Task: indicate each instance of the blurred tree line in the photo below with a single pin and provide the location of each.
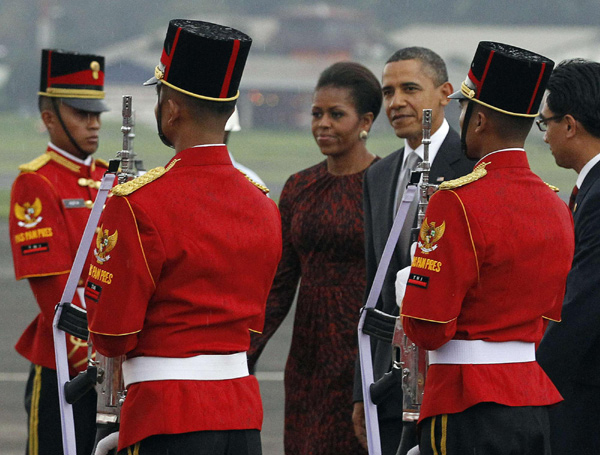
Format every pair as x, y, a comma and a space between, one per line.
89, 25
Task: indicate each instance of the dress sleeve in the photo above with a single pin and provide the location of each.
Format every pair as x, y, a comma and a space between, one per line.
286, 278
445, 266
122, 268
38, 231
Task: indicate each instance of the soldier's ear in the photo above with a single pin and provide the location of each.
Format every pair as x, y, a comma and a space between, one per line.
173, 111
49, 119
480, 121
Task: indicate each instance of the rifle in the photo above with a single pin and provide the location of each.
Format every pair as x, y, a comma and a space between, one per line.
73, 320
408, 360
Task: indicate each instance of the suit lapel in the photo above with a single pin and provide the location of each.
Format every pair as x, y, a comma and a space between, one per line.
391, 192
449, 153
588, 182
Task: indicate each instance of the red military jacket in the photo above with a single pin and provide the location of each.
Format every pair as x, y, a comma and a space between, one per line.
491, 264
50, 204
182, 266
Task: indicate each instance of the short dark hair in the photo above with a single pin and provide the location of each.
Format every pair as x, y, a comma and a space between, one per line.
508, 126
364, 87
574, 88
432, 61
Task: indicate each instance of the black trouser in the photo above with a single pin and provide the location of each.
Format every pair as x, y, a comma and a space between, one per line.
231, 442
487, 429
390, 432
43, 412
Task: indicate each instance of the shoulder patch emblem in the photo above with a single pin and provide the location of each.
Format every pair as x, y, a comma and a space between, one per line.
28, 214
477, 173
552, 187
105, 242
36, 163
125, 189
429, 235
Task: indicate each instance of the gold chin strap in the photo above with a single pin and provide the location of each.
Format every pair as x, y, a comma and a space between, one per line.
470, 94
159, 74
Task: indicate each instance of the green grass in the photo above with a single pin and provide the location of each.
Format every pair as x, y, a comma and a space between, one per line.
273, 155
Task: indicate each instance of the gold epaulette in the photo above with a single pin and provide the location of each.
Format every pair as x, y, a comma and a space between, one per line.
36, 163
552, 187
101, 162
477, 173
127, 188
263, 188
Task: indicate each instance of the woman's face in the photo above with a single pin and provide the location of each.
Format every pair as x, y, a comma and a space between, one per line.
335, 123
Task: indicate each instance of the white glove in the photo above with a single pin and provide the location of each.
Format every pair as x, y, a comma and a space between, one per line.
107, 444
402, 277
414, 451
401, 280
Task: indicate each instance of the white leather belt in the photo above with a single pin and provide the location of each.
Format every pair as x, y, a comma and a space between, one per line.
198, 368
478, 352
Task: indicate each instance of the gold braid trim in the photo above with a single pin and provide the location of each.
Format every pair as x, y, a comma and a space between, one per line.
64, 162
86, 94
552, 187
263, 188
102, 162
477, 173
127, 188
36, 163
470, 94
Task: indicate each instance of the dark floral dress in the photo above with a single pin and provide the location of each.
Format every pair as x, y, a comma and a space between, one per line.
323, 244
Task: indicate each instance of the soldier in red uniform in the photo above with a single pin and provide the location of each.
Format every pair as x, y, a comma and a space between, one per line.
489, 272
183, 262
50, 204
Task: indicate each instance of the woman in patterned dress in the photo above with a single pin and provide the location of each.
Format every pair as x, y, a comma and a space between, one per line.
323, 245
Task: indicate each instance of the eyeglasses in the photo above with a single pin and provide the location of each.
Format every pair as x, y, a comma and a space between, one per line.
542, 123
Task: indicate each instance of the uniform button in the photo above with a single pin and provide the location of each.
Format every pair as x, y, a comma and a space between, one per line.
89, 204
97, 185
82, 181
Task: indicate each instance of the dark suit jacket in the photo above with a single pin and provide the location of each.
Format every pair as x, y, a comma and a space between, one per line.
570, 349
380, 182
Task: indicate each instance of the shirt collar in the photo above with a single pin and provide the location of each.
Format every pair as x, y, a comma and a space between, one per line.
437, 139
86, 162
586, 169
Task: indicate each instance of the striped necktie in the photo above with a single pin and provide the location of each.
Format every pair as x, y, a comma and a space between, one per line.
572, 198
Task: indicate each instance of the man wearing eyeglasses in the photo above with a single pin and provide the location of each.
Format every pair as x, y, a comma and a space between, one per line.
50, 204
570, 350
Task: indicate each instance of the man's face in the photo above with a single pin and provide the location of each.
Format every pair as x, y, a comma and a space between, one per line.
83, 127
407, 90
555, 137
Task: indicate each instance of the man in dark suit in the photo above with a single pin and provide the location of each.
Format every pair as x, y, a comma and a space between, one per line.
570, 349
414, 79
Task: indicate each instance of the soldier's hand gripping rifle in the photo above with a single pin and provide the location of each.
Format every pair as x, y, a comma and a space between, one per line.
408, 360
71, 319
